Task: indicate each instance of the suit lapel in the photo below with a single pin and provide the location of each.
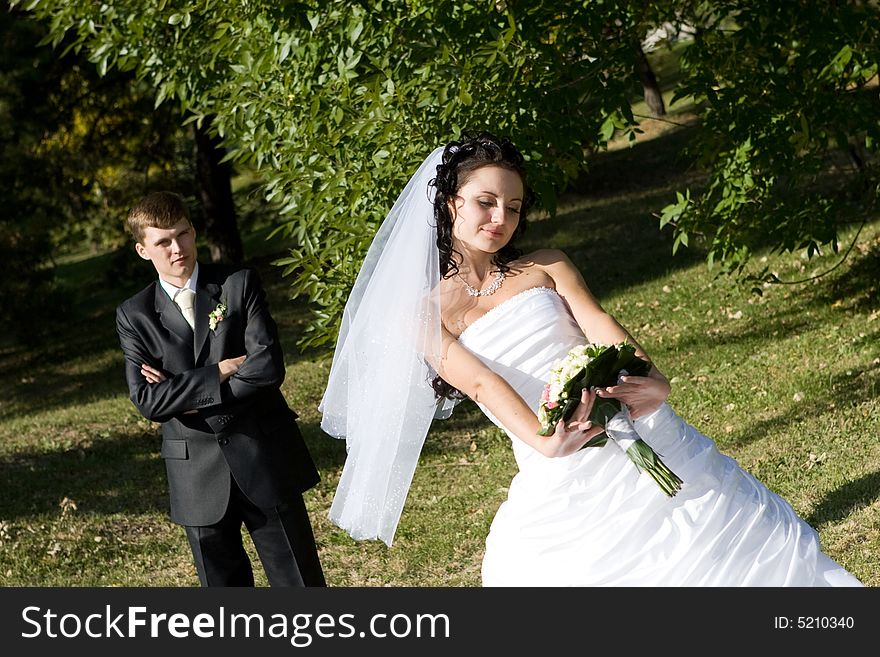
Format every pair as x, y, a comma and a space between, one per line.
207, 298
171, 317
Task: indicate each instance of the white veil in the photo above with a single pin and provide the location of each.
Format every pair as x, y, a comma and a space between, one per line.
379, 395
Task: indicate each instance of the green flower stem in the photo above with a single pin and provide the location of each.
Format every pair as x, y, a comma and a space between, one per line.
646, 459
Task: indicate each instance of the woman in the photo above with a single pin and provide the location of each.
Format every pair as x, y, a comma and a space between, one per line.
446, 305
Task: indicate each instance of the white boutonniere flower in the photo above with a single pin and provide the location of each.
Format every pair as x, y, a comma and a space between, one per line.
216, 316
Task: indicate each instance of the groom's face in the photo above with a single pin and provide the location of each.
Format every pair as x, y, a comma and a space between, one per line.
171, 250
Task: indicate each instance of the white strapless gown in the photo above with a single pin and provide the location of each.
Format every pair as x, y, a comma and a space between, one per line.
591, 519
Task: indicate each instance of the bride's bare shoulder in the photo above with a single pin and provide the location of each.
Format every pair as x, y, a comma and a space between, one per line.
537, 269
545, 258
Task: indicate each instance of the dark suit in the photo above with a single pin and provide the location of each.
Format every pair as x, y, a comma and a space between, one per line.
240, 457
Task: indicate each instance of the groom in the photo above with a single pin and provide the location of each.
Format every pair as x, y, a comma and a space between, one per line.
202, 358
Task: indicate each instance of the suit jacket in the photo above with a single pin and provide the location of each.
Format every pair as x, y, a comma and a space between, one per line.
242, 427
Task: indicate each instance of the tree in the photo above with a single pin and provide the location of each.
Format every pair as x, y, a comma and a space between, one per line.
336, 102
215, 190
653, 95
786, 92
23, 244
78, 150
50, 138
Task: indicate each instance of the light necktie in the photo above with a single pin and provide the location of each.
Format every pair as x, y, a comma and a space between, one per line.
185, 299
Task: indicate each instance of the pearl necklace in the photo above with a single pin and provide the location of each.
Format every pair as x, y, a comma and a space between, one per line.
474, 292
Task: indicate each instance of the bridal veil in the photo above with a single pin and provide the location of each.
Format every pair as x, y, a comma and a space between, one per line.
379, 395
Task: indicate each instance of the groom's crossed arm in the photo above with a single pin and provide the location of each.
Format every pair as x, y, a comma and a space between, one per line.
264, 366
228, 367
170, 396
232, 382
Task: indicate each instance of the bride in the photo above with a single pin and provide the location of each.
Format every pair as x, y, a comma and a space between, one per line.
446, 306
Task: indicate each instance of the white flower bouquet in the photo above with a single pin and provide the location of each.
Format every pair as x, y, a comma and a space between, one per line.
599, 366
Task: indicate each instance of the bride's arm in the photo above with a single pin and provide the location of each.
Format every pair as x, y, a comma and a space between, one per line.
470, 375
641, 394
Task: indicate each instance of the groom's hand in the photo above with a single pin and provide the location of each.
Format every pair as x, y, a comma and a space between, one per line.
151, 374
230, 366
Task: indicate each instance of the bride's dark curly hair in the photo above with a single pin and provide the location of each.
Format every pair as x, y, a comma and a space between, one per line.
460, 159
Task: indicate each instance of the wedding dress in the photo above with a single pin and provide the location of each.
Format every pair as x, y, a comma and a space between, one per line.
591, 519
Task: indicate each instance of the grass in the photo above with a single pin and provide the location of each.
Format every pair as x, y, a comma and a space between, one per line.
786, 383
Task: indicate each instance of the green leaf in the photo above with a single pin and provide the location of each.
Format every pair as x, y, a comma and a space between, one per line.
355, 32
603, 410
606, 132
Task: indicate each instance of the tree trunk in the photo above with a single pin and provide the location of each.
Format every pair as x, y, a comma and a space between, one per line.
653, 97
215, 191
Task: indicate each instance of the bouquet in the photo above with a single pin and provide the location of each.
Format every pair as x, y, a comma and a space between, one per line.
599, 366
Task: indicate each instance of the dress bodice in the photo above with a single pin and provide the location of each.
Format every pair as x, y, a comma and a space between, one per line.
521, 339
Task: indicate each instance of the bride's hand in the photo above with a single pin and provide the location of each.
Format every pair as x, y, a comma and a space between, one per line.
641, 394
572, 434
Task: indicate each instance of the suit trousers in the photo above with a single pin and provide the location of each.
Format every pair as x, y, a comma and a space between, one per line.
282, 536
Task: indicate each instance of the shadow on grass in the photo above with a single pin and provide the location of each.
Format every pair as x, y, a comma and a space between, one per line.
859, 289
466, 420
847, 499
119, 474
41, 382
327, 452
79, 360
649, 164
788, 321
854, 288
858, 386
849, 387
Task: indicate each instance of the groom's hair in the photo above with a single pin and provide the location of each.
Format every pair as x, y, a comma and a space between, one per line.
156, 210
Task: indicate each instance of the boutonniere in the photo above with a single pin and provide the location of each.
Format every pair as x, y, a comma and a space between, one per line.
216, 316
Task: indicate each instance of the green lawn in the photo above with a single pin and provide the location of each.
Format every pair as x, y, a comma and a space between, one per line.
787, 383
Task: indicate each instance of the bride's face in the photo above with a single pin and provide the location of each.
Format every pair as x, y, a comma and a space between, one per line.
485, 213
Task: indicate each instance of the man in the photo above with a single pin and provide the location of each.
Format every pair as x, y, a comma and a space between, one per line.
209, 369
